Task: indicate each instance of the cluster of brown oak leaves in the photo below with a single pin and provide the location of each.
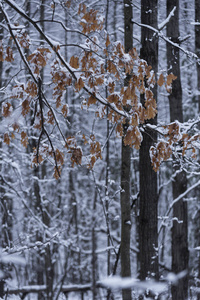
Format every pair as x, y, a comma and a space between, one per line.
95, 68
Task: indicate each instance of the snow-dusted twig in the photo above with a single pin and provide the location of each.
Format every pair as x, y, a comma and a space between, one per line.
107, 139
25, 204
181, 196
105, 214
164, 23
43, 130
71, 30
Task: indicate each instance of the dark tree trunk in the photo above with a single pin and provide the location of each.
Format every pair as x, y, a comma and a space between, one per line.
179, 184
6, 206
1, 158
49, 266
125, 169
197, 44
197, 50
107, 162
148, 233
94, 247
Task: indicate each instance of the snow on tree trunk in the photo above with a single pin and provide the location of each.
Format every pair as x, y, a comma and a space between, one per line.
197, 44
179, 184
197, 50
148, 237
125, 169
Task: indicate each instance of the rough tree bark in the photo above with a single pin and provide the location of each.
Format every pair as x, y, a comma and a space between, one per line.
94, 247
107, 161
2, 206
125, 169
179, 184
197, 44
5, 203
148, 236
197, 50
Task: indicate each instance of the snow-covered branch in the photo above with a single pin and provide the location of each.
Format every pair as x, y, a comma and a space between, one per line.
164, 23
181, 196
160, 34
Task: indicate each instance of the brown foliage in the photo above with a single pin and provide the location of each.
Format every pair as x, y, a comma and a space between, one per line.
6, 139
24, 139
7, 109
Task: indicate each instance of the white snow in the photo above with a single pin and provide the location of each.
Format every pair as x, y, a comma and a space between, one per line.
119, 283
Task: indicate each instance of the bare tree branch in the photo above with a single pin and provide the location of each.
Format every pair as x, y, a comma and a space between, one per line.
166, 39
181, 196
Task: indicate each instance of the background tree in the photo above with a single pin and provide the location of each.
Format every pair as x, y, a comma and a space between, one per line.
125, 167
197, 42
197, 51
148, 238
179, 184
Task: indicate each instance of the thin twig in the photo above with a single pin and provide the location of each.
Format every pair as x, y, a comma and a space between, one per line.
105, 214
43, 130
71, 30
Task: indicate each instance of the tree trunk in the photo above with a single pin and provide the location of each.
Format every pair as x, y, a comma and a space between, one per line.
1, 158
148, 235
125, 170
94, 247
179, 184
197, 45
107, 162
197, 50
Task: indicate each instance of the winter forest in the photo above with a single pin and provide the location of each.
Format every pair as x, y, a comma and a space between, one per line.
99, 149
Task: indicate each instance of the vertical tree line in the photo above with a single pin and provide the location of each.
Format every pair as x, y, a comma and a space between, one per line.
148, 218
179, 184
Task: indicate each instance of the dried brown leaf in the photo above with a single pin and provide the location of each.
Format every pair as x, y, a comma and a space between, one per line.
161, 80
74, 62
24, 139
6, 138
